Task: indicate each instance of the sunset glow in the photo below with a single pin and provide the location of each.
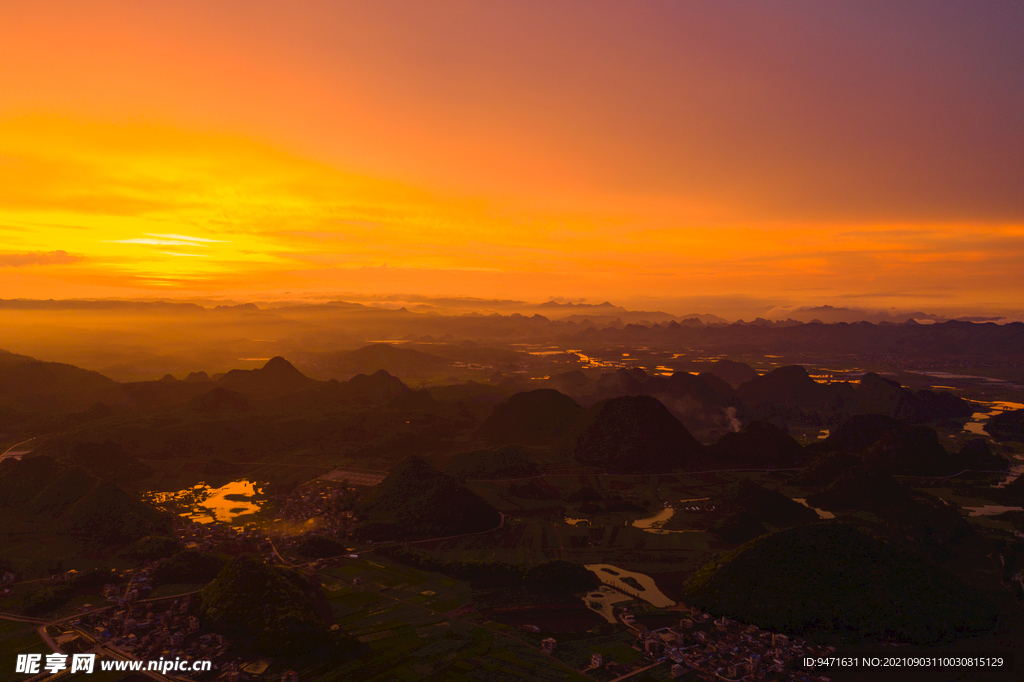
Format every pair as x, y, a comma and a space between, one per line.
795, 153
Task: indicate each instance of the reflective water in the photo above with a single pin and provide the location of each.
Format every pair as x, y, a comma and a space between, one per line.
655, 523
602, 599
650, 594
207, 505
991, 510
822, 514
978, 419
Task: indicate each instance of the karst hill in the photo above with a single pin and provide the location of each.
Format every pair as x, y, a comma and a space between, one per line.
416, 501
635, 434
831, 583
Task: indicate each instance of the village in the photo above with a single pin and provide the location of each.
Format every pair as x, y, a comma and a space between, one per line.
138, 626
726, 650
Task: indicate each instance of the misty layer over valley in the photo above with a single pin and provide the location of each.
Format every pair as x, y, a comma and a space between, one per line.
575, 475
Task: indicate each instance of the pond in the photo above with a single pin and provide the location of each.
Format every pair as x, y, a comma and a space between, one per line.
204, 504
656, 523
627, 581
603, 600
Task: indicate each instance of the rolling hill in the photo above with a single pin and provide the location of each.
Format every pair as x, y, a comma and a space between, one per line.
635, 434
831, 583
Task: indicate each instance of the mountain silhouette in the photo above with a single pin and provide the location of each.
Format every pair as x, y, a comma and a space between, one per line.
763, 504
739, 527
635, 434
790, 385
878, 395
276, 377
758, 444
30, 384
732, 372
532, 418
858, 432
976, 454
914, 450
1007, 426
832, 583
862, 488
70, 501
415, 500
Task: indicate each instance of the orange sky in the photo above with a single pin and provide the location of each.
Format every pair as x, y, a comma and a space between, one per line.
797, 153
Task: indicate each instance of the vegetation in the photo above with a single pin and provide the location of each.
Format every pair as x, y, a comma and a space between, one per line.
189, 566
153, 547
417, 500
561, 576
551, 576
267, 608
219, 467
534, 489
861, 488
319, 546
739, 527
109, 514
758, 444
830, 582
71, 501
1007, 426
532, 418
507, 462
635, 434
763, 504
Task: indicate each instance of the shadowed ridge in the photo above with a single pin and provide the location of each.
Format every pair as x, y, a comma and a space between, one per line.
219, 402
379, 387
510, 461
532, 418
415, 500
281, 621
878, 395
50, 387
1007, 426
763, 504
976, 454
279, 367
790, 385
635, 434
831, 583
858, 432
861, 488
277, 376
732, 372
71, 501
758, 444
910, 450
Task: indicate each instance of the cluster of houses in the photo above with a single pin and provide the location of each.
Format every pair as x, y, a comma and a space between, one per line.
149, 630
719, 650
729, 650
316, 501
